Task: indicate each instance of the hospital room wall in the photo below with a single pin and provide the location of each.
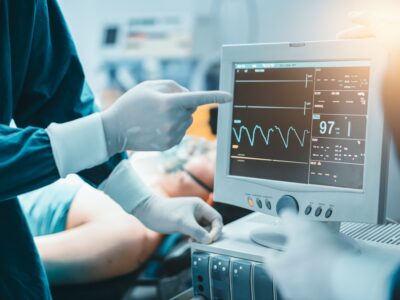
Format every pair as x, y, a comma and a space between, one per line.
274, 20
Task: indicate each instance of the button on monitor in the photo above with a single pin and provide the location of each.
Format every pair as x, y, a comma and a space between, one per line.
318, 211
328, 213
308, 210
268, 204
259, 203
250, 201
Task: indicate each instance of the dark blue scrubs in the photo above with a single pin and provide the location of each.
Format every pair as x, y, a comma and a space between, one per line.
41, 81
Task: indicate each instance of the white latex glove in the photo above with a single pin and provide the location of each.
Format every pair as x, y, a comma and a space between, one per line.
154, 115
321, 264
385, 27
188, 215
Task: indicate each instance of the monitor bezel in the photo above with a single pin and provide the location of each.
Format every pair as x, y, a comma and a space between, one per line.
366, 201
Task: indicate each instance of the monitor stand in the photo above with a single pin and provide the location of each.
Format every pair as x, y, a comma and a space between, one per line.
272, 236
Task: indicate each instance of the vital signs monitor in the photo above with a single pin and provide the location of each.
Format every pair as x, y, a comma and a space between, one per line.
305, 130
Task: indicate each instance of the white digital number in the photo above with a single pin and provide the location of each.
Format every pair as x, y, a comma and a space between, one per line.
326, 127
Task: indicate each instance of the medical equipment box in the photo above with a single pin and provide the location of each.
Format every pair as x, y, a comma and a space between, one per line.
232, 268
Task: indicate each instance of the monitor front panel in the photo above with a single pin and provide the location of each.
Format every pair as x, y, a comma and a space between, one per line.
301, 122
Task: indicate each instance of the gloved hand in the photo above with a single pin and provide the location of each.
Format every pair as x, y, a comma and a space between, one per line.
385, 27
154, 115
188, 215
321, 264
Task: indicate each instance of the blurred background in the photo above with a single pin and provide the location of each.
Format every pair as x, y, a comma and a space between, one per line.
123, 42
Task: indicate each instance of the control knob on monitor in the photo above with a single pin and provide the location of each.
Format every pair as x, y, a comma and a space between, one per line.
287, 203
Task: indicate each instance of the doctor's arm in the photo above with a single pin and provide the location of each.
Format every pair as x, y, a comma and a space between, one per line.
55, 96
26, 160
151, 116
55, 91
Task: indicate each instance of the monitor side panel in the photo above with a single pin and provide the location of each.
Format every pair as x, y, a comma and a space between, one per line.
393, 186
366, 205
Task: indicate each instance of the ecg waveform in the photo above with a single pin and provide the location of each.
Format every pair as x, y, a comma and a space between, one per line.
266, 137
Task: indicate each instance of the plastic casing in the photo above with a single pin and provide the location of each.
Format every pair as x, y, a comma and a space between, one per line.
367, 205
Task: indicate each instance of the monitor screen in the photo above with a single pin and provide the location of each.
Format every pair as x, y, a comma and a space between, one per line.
301, 122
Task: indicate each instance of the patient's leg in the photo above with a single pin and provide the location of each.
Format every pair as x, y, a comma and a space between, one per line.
101, 241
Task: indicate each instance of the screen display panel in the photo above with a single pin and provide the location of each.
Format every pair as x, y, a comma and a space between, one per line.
301, 122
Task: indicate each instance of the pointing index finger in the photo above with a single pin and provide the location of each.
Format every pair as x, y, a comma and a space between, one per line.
191, 100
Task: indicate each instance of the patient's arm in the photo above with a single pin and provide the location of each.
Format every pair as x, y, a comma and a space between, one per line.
101, 241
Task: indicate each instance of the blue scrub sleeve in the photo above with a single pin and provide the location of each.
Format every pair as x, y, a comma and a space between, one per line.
54, 90
26, 161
